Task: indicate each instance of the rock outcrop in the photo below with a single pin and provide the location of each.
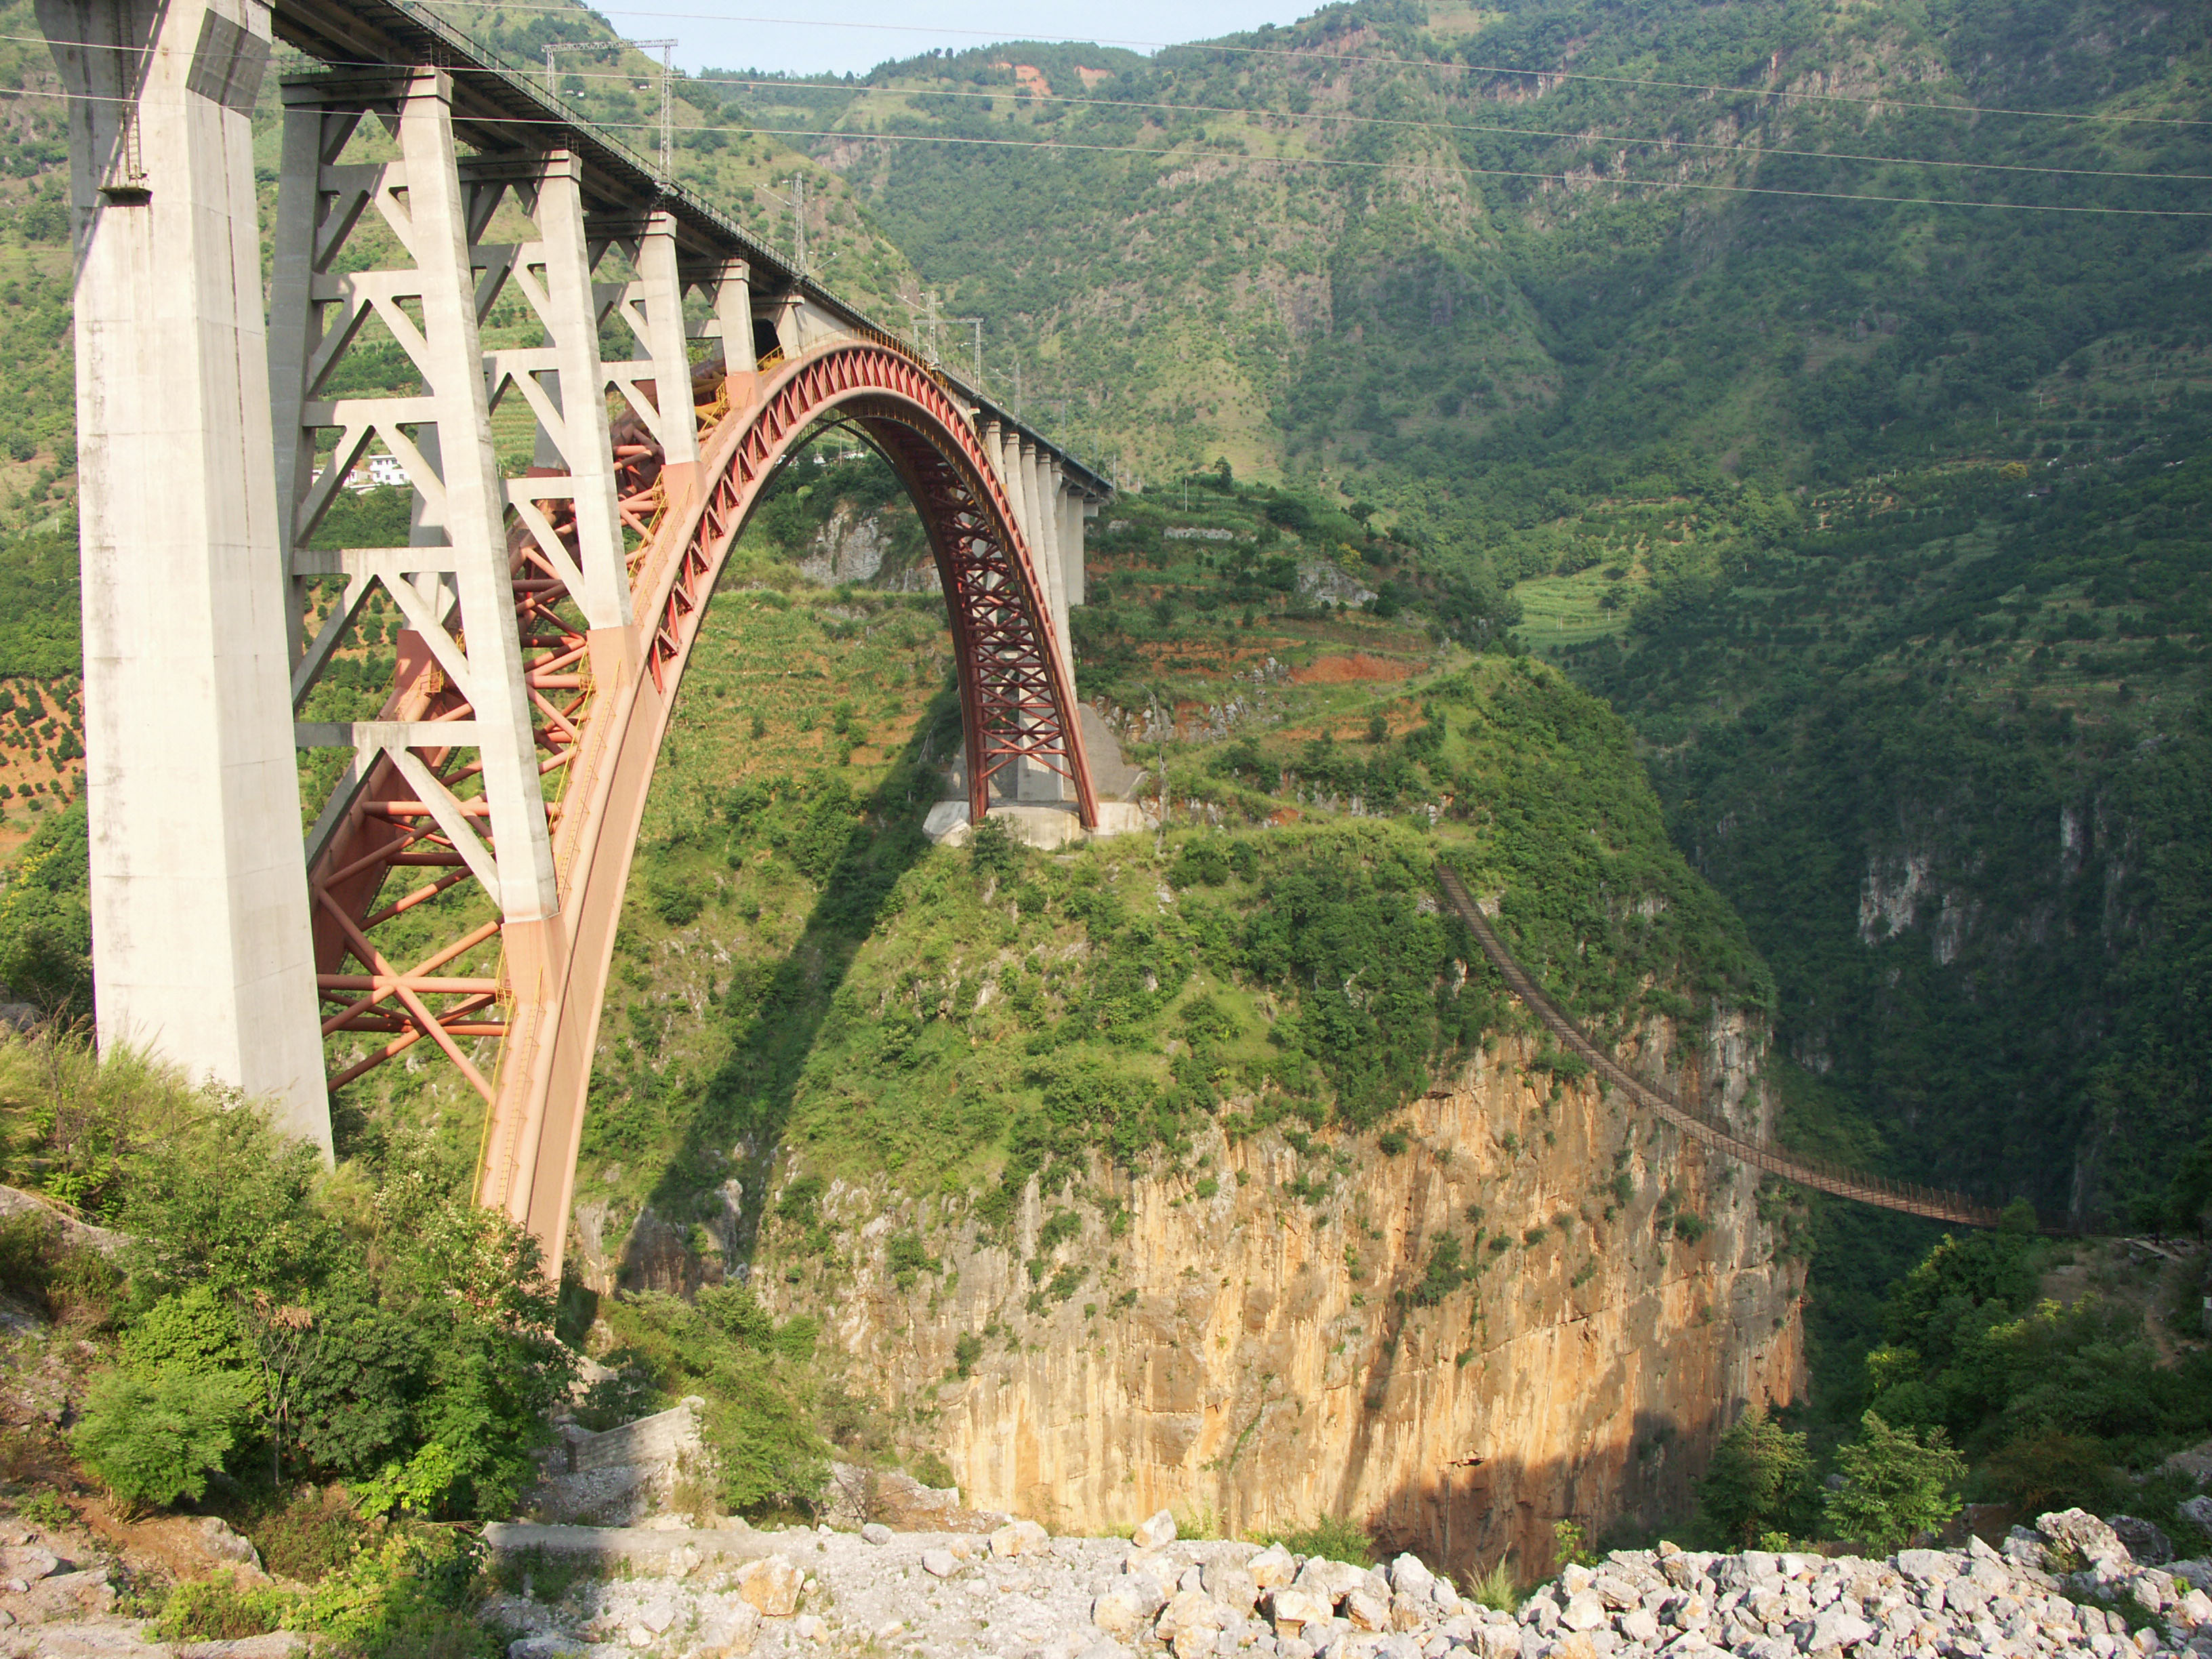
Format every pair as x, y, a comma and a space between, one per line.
1542, 1306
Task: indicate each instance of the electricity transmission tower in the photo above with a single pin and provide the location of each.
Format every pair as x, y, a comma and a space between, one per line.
796, 202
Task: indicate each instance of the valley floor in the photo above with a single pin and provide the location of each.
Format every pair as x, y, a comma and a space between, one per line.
580, 1593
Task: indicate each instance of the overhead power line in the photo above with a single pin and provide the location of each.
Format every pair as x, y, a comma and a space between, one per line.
1235, 158
1308, 54
1433, 170
1328, 118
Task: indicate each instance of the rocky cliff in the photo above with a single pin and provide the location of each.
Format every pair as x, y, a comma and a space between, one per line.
1532, 1306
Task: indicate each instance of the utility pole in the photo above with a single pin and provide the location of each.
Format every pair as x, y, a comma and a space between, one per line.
933, 321
976, 324
667, 49
552, 78
798, 221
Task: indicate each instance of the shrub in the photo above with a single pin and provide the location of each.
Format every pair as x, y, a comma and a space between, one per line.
1445, 1274
1336, 1537
965, 1352
1896, 1486
156, 1438
1495, 1588
28, 1248
993, 850
317, 1532
1759, 1479
219, 1609
908, 1258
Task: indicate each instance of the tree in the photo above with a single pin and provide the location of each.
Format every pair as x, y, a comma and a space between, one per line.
993, 849
2190, 1194
1896, 1486
155, 1437
1760, 1481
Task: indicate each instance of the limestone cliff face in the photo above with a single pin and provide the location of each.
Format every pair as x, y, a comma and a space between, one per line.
1237, 1345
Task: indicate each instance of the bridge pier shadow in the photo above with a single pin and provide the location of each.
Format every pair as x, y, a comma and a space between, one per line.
735, 1121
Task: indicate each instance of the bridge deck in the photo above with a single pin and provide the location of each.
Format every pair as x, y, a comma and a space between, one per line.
500, 110
1817, 1173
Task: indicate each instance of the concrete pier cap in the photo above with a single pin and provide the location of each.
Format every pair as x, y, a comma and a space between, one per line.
1044, 828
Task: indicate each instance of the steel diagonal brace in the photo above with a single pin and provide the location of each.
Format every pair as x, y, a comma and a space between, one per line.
421, 977
374, 960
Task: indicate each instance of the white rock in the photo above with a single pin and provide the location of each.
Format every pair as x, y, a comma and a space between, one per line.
1583, 1610
1409, 1577
1156, 1533
658, 1614
1272, 1566
1335, 1579
771, 1585
1366, 1610
1639, 1625
24, 1567
1836, 1627
939, 1563
1413, 1613
2082, 1533
876, 1532
1615, 1592
1292, 1607
1019, 1538
1232, 1586
1189, 1609
1927, 1566
1118, 1612
810, 1628
730, 1633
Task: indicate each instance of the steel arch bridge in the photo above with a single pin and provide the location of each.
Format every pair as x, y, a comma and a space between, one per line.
463, 876
602, 715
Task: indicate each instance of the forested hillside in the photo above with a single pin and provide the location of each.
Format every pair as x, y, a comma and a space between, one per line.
1826, 383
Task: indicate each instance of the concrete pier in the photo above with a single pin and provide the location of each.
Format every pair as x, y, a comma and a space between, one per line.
199, 897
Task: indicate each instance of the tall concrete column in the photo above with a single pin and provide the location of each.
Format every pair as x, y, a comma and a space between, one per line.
1056, 518
992, 436
733, 321
1075, 513
561, 260
662, 293
1044, 784
199, 897
1037, 483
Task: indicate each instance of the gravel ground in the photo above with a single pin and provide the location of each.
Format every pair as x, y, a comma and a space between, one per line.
2071, 1586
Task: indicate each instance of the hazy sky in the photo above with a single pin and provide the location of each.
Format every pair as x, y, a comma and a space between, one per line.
804, 37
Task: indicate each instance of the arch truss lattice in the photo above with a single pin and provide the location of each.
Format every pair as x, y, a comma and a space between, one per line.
466, 867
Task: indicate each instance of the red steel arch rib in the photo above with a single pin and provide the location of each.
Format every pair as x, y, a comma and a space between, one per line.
601, 703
